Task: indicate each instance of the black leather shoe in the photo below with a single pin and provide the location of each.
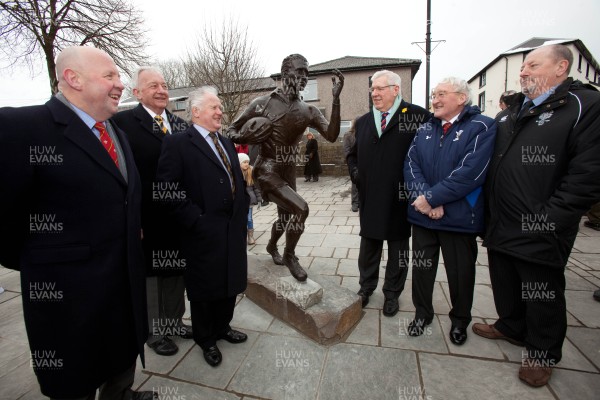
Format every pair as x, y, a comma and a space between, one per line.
390, 307
593, 225
213, 356
131, 395
458, 335
164, 347
597, 295
417, 327
354, 208
364, 298
233, 336
186, 332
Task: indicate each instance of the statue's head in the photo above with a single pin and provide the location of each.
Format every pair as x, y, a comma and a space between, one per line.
294, 73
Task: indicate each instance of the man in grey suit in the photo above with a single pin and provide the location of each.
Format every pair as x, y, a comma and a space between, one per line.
145, 126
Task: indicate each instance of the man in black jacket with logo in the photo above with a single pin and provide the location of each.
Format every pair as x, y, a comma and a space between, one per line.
544, 175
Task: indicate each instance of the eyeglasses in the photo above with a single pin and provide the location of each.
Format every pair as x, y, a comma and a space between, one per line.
440, 95
379, 88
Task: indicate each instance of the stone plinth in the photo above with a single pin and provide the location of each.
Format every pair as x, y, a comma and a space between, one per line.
303, 294
328, 321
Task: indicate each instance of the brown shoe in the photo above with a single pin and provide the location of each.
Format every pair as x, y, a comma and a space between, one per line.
490, 332
535, 376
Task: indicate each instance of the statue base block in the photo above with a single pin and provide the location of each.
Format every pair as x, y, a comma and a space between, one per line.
319, 308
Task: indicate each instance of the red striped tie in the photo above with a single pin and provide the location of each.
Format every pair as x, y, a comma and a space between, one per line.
107, 142
384, 120
446, 127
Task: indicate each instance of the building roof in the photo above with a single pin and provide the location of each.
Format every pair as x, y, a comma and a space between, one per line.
347, 63
353, 63
536, 42
175, 94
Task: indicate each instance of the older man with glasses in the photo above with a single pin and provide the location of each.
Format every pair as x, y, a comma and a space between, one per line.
375, 161
444, 171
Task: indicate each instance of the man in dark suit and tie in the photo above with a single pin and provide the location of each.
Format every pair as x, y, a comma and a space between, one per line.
70, 223
145, 126
375, 163
212, 217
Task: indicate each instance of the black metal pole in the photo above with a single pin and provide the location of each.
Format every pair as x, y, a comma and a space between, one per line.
427, 53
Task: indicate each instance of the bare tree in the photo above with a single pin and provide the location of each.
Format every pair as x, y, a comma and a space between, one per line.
225, 58
35, 29
174, 73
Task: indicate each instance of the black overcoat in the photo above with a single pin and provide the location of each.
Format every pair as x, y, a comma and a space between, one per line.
212, 221
380, 162
73, 229
313, 163
161, 234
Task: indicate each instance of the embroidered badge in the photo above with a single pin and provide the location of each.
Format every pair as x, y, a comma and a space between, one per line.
405, 109
427, 137
458, 133
544, 117
503, 118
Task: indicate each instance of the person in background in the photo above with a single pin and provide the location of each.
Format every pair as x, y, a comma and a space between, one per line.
312, 169
242, 148
444, 172
506, 99
375, 163
146, 126
253, 192
348, 142
544, 175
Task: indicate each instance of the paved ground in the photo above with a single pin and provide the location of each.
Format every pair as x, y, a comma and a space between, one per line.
377, 361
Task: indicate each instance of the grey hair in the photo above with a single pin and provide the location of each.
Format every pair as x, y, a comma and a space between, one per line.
392, 78
459, 85
135, 77
196, 98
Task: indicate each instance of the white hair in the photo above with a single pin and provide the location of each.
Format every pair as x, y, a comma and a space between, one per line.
392, 78
196, 97
459, 86
135, 77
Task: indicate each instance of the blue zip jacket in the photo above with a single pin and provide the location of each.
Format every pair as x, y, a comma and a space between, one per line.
450, 171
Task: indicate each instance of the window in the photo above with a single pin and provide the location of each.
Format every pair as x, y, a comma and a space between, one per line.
482, 101
587, 71
344, 127
181, 105
579, 64
310, 92
482, 79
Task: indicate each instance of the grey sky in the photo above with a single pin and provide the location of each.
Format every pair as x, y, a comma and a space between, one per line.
475, 33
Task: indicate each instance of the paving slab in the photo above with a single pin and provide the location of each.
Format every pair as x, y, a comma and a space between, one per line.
175, 390
475, 346
587, 341
583, 307
367, 330
460, 378
394, 333
575, 385
281, 367
354, 372
193, 367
